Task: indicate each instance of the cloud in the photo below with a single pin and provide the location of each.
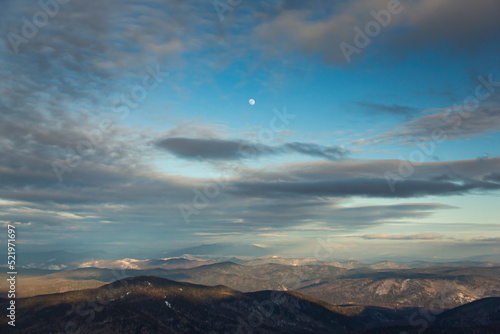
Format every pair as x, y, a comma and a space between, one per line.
369, 178
395, 110
445, 126
487, 240
419, 236
315, 150
282, 213
216, 234
190, 129
347, 169
216, 149
440, 25
495, 177
261, 245
374, 187
222, 149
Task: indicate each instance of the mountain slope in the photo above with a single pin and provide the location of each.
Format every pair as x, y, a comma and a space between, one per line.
154, 305
482, 312
404, 292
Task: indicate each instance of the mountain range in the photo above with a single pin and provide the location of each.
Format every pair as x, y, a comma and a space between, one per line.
147, 304
383, 284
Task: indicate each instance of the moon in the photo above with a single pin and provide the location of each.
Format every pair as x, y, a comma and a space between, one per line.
251, 102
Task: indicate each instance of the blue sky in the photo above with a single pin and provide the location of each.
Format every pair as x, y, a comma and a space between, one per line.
126, 125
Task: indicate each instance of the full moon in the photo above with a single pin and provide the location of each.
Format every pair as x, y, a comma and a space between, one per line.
251, 101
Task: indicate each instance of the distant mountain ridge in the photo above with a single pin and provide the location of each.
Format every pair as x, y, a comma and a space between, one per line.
349, 264
235, 252
165, 263
221, 249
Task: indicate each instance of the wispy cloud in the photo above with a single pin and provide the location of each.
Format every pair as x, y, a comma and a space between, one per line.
272, 235
394, 110
446, 125
426, 24
419, 236
487, 240
365, 178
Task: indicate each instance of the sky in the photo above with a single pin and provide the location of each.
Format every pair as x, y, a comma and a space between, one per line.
125, 126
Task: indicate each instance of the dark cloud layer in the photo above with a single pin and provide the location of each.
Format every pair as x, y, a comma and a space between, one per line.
219, 149
377, 187
382, 178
